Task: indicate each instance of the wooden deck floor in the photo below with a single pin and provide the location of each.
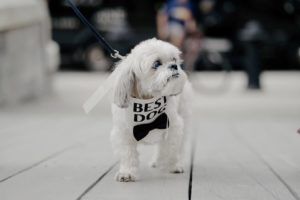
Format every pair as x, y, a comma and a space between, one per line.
246, 145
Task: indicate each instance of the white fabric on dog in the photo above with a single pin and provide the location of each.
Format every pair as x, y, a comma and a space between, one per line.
150, 119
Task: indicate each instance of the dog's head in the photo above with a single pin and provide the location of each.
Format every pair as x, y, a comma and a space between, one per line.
153, 68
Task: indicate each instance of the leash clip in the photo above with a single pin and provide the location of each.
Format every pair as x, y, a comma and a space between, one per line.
117, 55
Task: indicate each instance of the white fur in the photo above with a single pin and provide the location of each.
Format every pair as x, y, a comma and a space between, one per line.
137, 77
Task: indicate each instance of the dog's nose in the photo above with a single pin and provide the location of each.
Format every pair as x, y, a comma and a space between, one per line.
174, 67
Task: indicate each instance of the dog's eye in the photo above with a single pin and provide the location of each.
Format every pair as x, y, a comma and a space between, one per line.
156, 64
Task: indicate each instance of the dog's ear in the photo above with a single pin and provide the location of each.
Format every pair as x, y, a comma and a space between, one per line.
124, 85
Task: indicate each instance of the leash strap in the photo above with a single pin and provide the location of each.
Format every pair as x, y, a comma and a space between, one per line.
103, 89
113, 53
100, 92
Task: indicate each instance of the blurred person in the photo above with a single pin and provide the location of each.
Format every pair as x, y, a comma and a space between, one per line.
252, 37
176, 23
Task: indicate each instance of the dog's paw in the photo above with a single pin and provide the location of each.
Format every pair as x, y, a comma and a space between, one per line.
125, 177
176, 170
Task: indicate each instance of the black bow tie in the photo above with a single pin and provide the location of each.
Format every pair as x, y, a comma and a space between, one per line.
140, 131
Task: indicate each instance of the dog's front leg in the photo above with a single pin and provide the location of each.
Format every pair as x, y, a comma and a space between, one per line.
126, 149
169, 151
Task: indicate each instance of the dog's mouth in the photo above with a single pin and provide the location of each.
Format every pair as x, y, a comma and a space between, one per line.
170, 78
175, 94
175, 75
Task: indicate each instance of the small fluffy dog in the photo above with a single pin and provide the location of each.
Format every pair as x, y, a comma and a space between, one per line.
150, 106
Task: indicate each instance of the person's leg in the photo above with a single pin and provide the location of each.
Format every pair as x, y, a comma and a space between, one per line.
252, 65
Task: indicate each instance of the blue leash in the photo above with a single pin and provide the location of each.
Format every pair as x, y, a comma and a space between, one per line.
113, 53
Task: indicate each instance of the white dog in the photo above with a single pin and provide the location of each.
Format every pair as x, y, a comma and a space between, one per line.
150, 104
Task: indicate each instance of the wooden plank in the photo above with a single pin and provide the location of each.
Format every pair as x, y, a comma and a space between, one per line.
152, 183
11, 122
39, 143
224, 168
278, 146
16, 130
62, 177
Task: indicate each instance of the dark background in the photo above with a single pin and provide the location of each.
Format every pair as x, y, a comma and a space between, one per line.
278, 43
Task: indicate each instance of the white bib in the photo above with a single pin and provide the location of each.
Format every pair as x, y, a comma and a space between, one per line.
149, 117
